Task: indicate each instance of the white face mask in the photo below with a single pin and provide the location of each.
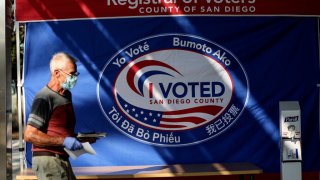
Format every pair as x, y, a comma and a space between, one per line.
69, 83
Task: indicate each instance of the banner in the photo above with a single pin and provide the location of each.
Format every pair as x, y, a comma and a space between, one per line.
35, 10
184, 89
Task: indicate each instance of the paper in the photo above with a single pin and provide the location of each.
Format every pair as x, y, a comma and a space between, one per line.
87, 148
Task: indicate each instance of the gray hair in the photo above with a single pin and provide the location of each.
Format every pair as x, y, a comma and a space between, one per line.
59, 60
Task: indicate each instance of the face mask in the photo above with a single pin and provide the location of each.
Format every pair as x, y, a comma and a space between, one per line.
69, 83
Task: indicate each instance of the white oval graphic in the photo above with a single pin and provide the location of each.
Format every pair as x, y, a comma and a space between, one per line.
172, 90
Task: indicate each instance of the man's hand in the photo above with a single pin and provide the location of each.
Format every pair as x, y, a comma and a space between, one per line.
72, 143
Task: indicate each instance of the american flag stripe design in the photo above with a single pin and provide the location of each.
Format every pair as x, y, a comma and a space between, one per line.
189, 118
170, 120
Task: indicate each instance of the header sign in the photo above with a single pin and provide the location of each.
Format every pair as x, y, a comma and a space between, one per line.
34, 10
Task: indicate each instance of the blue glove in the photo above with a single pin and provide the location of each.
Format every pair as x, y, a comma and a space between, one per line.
72, 143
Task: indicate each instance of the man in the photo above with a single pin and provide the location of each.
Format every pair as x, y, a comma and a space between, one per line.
51, 122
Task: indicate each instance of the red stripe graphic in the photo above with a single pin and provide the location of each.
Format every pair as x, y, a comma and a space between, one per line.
137, 66
192, 119
213, 110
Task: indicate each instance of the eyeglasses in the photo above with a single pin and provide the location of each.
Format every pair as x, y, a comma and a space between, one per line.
75, 74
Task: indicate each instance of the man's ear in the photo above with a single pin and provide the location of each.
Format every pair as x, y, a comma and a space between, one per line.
56, 73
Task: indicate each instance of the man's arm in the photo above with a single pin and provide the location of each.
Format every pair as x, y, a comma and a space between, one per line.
38, 138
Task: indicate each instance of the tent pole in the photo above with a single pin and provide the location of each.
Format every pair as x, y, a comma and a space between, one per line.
21, 148
5, 91
318, 85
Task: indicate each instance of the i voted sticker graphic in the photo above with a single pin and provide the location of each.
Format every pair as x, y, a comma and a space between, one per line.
172, 90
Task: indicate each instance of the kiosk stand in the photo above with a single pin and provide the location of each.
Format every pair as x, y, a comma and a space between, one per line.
290, 134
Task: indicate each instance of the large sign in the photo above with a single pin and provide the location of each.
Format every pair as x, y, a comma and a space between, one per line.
35, 10
184, 89
163, 92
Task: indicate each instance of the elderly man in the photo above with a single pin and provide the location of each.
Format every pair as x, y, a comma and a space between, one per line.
51, 122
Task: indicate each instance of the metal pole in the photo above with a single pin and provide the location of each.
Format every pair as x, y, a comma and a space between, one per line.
19, 85
318, 85
5, 91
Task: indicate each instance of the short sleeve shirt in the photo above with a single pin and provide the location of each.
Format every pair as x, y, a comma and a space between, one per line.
52, 114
